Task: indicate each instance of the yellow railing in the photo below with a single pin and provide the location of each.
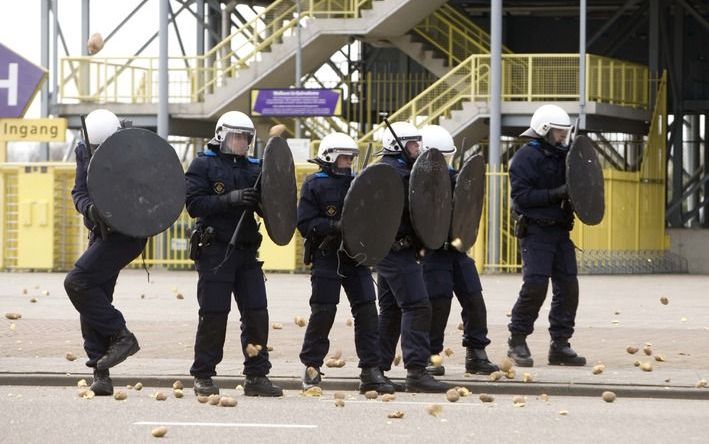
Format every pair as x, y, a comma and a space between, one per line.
454, 34
617, 82
134, 79
531, 77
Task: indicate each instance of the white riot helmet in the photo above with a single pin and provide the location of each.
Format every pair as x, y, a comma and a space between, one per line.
334, 145
435, 136
545, 118
405, 132
236, 122
100, 124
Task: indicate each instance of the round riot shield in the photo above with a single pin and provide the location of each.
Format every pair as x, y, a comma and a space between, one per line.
278, 191
371, 213
584, 181
136, 182
430, 199
468, 198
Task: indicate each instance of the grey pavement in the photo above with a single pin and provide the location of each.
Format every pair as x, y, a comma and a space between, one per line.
614, 312
58, 415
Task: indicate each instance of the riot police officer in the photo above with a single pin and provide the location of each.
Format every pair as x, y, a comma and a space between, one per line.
90, 284
447, 270
545, 217
404, 306
220, 187
319, 210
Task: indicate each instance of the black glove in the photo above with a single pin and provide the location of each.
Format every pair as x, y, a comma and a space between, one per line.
558, 194
244, 197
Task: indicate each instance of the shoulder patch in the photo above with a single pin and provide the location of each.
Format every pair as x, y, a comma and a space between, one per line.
254, 160
321, 174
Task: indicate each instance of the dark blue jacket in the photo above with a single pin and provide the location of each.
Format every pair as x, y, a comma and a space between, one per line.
322, 197
404, 169
212, 174
535, 169
80, 192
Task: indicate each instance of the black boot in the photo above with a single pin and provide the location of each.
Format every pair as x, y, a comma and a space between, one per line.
519, 352
373, 379
204, 387
435, 371
261, 386
419, 381
310, 381
122, 345
477, 363
102, 385
561, 353
397, 386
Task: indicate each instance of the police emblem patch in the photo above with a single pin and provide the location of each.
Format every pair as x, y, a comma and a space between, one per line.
331, 210
218, 187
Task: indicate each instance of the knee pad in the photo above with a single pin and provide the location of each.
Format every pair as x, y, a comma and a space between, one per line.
323, 308
421, 317
365, 316
72, 283
255, 325
535, 291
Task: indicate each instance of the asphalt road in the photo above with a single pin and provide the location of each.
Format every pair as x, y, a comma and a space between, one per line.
58, 415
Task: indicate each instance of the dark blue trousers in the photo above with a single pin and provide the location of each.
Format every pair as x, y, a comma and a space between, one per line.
90, 288
359, 288
404, 308
243, 278
547, 253
446, 272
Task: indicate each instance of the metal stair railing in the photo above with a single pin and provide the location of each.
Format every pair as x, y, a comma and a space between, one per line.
132, 79
454, 35
529, 77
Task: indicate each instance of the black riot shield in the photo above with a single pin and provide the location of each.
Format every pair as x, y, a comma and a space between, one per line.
136, 183
430, 199
278, 191
371, 213
584, 180
468, 198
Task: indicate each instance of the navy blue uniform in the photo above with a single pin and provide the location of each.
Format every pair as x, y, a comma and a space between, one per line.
91, 283
321, 200
547, 250
209, 176
445, 271
404, 307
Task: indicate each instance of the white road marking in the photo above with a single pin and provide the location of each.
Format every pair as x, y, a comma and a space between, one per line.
229, 424
443, 402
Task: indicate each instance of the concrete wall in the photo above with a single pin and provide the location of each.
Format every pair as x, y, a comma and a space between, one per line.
692, 244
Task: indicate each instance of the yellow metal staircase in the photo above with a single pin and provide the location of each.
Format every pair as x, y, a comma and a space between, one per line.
458, 100
260, 53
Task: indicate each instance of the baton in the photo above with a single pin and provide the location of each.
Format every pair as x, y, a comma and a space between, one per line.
86, 135
398, 142
367, 154
232, 242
